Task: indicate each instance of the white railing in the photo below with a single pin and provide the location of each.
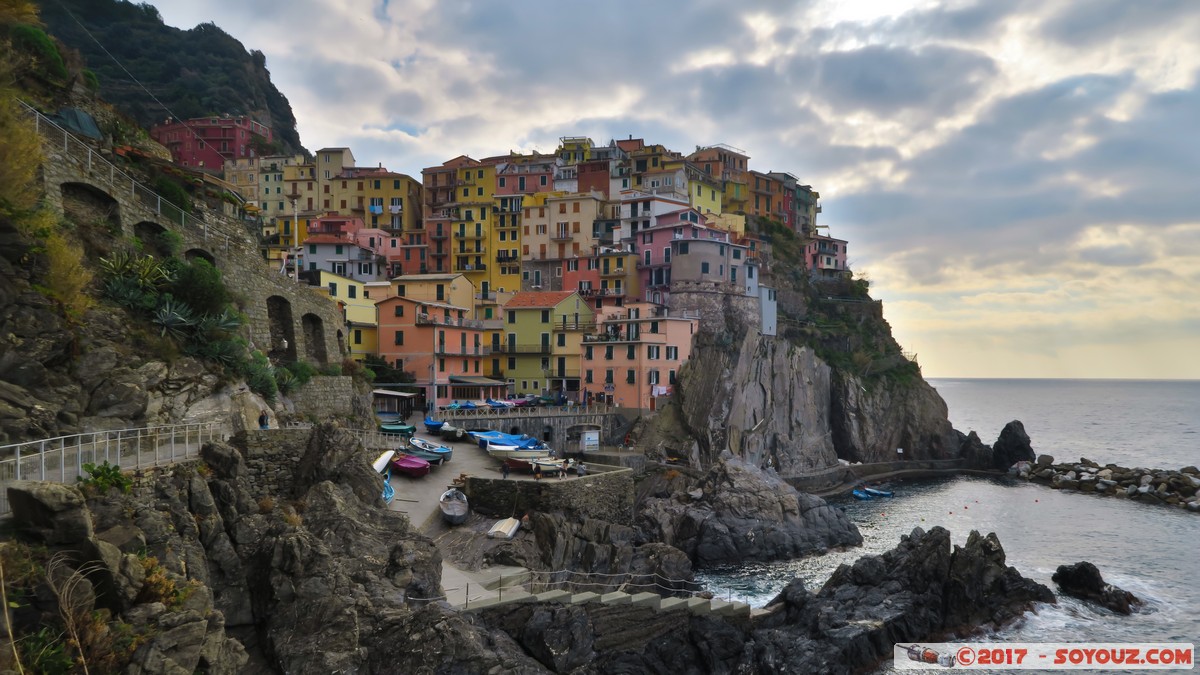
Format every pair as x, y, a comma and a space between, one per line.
62, 458
523, 411
119, 181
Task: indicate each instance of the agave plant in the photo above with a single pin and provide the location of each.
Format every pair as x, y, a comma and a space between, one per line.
151, 273
124, 292
118, 265
173, 317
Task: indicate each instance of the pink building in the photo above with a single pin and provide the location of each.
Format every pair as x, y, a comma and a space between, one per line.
634, 359
826, 257
205, 143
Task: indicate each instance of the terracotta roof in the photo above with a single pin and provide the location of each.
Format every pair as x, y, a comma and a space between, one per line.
543, 299
328, 239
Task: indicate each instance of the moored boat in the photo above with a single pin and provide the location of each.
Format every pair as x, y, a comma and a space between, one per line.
433, 426
453, 504
410, 465
513, 452
876, 492
452, 433
398, 428
504, 529
433, 458
860, 494
440, 451
381, 465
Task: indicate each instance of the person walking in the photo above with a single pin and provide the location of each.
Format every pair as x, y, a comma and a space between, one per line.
264, 420
563, 473
537, 472
504, 470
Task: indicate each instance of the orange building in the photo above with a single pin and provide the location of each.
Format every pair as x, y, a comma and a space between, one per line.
633, 361
440, 346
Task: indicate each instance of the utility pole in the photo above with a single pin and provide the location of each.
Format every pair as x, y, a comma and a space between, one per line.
295, 243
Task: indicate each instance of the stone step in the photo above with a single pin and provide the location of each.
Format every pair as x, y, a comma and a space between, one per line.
582, 598
698, 605
553, 596
646, 599
616, 598
668, 604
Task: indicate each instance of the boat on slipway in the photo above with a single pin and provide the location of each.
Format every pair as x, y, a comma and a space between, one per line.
453, 504
437, 450
382, 464
410, 465
504, 529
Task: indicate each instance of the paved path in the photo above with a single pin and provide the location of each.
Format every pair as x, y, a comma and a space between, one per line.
418, 498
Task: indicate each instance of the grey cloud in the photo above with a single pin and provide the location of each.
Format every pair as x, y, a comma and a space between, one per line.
1086, 23
884, 80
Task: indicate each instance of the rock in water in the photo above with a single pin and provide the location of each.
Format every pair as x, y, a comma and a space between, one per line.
970, 448
745, 513
1012, 447
1082, 580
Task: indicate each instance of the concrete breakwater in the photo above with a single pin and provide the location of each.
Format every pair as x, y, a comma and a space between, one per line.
1151, 486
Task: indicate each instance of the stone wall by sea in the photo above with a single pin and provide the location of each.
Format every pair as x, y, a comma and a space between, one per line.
606, 495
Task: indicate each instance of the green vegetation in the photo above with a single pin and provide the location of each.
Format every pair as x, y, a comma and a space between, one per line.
195, 73
34, 41
104, 477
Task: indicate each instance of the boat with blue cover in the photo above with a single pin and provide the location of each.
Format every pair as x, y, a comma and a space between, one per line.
487, 438
382, 465
433, 426
876, 492
860, 494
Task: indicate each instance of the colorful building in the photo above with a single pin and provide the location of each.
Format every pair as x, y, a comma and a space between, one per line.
206, 143
440, 345
358, 308
542, 333
632, 362
826, 257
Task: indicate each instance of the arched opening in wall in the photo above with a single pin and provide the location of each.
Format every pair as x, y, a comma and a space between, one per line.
283, 336
153, 239
193, 253
341, 340
96, 215
575, 434
547, 433
314, 338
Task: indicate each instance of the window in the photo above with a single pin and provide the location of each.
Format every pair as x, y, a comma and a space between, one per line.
441, 365
667, 255
647, 258
587, 353
512, 316
562, 339
653, 326
351, 292
337, 250
333, 289
501, 181
683, 248
512, 362
630, 352
630, 376
608, 353
312, 249
542, 181
704, 268
357, 336
608, 376
672, 353
737, 254
545, 316
399, 337
652, 377
587, 376
671, 377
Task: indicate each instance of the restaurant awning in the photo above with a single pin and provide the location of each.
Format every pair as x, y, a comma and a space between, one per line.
389, 392
476, 380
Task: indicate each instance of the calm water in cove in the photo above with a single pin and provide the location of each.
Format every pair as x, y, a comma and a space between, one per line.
1152, 551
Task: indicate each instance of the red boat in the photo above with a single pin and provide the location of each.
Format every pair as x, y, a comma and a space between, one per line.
409, 465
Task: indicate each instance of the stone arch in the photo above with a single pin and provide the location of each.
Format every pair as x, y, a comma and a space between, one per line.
151, 234
314, 338
193, 253
283, 334
96, 214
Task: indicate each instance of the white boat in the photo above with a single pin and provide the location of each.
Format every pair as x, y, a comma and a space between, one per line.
453, 504
504, 529
503, 452
382, 462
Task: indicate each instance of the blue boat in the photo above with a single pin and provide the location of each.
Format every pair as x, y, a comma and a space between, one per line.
383, 465
433, 426
876, 492
484, 438
860, 494
439, 452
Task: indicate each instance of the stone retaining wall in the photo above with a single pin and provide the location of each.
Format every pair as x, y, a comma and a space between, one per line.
605, 496
270, 456
326, 396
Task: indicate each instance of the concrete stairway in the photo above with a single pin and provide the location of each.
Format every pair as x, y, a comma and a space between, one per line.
699, 606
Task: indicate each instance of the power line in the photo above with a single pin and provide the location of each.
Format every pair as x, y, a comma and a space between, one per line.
126, 71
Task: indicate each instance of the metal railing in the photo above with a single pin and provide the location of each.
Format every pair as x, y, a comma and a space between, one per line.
99, 168
62, 458
523, 411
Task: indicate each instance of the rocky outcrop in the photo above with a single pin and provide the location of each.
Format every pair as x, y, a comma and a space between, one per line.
922, 590
974, 451
595, 555
871, 420
1149, 486
324, 578
1013, 446
738, 512
1082, 580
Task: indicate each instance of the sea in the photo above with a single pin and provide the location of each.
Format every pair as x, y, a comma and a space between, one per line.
1152, 551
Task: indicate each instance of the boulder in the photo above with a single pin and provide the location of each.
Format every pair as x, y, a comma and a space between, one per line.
1045, 460
970, 448
1082, 580
746, 514
1012, 446
54, 513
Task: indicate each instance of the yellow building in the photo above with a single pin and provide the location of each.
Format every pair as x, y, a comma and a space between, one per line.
574, 149
471, 232
393, 202
300, 185
279, 237
450, 289
358, 308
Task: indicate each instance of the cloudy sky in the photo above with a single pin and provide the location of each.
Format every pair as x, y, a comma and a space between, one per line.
1020, 180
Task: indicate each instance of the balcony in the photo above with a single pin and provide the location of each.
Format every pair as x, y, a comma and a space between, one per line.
459, 350
434, 320
439, 254
567, 325
560, 235
521, 349
470, 234
507, 258
613, 272
559, 373
438, 234
490, 296
602, 293
470, 268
